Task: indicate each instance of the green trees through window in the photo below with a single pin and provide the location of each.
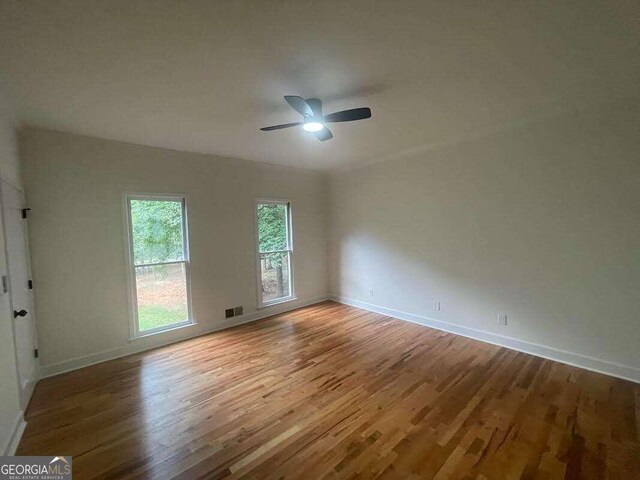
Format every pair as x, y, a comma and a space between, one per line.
272, 227
160, 263
157, 231
274, 248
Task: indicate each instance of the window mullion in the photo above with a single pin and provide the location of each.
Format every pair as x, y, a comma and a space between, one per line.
174, 262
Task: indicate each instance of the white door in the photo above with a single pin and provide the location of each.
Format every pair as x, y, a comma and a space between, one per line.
24, 330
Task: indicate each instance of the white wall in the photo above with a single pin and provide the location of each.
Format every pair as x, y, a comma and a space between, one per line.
10, 413
9, 161
540, 221
74, 185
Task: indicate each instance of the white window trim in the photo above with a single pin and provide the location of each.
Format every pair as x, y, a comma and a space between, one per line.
134, 331
290, 251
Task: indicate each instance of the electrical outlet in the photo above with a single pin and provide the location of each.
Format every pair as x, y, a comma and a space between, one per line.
370, 292
502, 318
436, 306
228, 313
237, 311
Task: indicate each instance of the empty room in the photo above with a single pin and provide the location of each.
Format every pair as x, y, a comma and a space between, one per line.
307, 240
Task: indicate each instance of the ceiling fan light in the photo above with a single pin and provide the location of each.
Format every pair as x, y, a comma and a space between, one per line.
313, 126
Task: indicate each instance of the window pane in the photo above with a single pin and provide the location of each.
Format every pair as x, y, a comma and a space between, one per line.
272, 227
162, 295
274, 271
157, 231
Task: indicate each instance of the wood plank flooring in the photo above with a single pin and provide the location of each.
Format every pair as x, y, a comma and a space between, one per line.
331, 391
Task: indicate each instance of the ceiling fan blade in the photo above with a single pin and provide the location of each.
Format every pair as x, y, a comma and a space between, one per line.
299, 104
324, 134
278, 127
315, 104
348, 115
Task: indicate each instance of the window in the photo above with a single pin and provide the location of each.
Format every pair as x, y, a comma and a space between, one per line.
275, 249
159, 263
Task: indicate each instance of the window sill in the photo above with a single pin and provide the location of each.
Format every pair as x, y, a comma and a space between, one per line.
166, 330
277, 302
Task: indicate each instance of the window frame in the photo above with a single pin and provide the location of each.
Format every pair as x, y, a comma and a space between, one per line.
134, 329
289, 251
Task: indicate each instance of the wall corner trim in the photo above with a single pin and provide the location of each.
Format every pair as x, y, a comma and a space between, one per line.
16, 435
593, 364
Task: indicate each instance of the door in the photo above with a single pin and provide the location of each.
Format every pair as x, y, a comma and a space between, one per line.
21, 298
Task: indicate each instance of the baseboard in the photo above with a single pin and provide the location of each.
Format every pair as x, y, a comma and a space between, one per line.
16, 434
27, 392
570, 358
132, 347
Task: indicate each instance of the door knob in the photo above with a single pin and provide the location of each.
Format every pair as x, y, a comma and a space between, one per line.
21, 313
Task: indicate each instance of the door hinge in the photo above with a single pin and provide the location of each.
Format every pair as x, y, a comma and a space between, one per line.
24, 212
30, 284
36, 354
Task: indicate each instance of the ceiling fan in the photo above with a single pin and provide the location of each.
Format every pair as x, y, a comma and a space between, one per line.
312, 119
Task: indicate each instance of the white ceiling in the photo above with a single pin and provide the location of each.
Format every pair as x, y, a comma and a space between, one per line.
204, 76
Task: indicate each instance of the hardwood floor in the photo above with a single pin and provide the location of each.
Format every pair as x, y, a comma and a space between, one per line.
331, 391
